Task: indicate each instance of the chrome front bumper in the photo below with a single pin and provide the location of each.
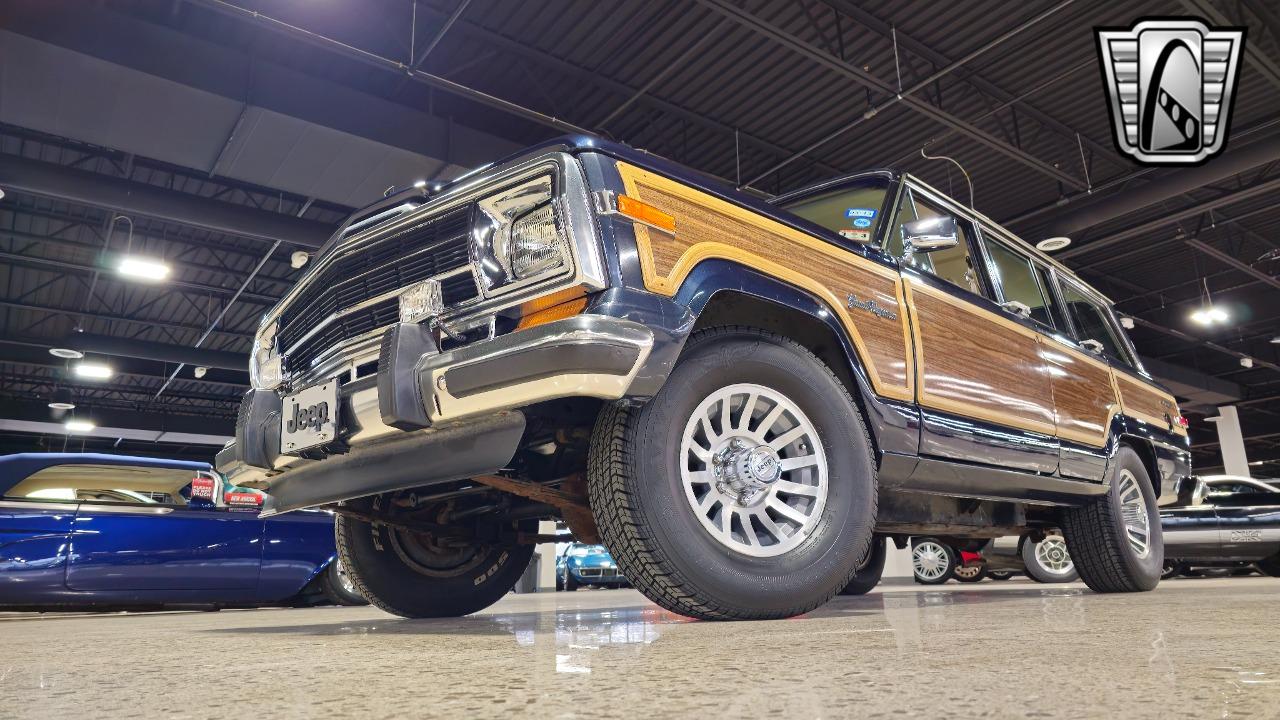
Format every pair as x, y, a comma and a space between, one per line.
420, 392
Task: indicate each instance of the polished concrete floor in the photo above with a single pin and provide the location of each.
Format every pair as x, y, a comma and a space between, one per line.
1194, 648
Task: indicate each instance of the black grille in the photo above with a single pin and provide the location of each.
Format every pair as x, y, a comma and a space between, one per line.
371, 269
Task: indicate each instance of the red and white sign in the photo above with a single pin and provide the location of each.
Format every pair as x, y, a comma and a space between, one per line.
202, 487
241, 499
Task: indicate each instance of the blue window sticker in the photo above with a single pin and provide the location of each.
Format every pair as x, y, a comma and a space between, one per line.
862, 222
860, 213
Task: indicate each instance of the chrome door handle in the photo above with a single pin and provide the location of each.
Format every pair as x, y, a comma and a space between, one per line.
1016, 308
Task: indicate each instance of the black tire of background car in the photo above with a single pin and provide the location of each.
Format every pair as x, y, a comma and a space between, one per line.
868, 575
334, 592
640, 506
1000, 574
1270, 566
1038, 572
953, 559
966, 577
1095, 534
567, 581
1172, 569
393, 585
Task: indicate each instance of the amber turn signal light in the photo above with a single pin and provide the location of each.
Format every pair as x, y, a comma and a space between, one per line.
646, 213
535, 315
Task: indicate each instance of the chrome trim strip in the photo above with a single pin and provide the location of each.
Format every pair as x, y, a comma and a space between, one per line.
125, 509
16, 504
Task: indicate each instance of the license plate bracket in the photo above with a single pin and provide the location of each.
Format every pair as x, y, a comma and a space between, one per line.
309, 417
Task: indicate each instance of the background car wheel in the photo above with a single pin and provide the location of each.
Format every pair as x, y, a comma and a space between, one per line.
970, 573
1115, 540
338, 587
745, 489
412, 575
568, 582
868, 575
933, 562
1048, 561
1000, 575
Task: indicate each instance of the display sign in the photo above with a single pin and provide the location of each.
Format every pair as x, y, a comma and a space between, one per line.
202, 487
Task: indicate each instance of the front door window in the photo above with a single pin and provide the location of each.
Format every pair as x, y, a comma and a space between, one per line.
955, 264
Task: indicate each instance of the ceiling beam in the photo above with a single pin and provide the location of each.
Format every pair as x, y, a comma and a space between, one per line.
1243, 267
867, 80
1266, 67
45, 179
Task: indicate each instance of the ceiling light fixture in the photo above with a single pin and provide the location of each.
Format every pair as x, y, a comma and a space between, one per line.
92, 371
1053, 244
62, 400
143, 268
79, 426
1126, 322
66, 353
1208, 313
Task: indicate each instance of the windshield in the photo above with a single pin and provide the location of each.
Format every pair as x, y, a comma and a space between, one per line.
852, 211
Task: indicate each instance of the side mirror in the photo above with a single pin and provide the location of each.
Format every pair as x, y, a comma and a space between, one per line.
1199, 492
928, 235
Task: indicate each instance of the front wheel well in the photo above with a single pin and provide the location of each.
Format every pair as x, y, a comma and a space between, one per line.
735, 308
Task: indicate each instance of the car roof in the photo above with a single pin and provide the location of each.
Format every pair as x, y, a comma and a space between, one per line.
17, 467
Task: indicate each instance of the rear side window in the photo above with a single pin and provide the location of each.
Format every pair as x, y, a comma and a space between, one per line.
1017, 279
126, 484
1093, 323
852, 212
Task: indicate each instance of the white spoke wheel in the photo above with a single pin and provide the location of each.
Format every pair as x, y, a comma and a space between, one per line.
1049, 560
1133, 508
754, 470
744, 489
932, 561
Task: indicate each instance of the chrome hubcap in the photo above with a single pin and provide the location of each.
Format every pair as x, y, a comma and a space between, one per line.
344, 579
1133, 511
754, 470
930, 560
1053, 557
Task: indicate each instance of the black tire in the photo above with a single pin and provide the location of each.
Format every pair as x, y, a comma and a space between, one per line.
1270, 566
1172, 569
948, 555
1039, 572
974, 574
1096, 534
661, 545
868, 575
335, 590
568, 582
388, 567
1000, 575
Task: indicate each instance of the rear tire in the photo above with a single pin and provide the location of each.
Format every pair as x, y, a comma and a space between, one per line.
1115, 540
781, 546
337, 586
1270, 566
404, 574
1001, 575
976, 573
868, 576
933, 562
1048, 561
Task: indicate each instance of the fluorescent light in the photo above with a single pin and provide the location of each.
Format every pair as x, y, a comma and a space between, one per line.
1201, 317
66, 353
79, 426
93, 371
420, 184
1210, 315
143, 268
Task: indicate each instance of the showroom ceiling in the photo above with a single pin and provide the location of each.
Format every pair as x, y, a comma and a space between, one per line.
230, 140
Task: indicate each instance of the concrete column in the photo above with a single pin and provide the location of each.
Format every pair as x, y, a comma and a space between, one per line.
1231, 441
547, 558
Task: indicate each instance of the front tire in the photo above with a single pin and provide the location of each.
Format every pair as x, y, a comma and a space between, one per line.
933, 562
408, 574
1048, 561
970, 574
1115, 540
745, 489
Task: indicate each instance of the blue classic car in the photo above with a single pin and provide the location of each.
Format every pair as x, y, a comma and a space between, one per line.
110, 531
581, 564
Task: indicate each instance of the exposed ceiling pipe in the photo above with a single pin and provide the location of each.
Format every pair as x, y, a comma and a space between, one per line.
82, 186
147, 350
1170, 186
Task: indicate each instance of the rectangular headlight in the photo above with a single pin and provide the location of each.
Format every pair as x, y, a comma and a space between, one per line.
266, 371
516, 234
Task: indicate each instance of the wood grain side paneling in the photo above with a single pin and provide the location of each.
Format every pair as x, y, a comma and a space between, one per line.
708, 227
972, 362
1147, 403
1083, 393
